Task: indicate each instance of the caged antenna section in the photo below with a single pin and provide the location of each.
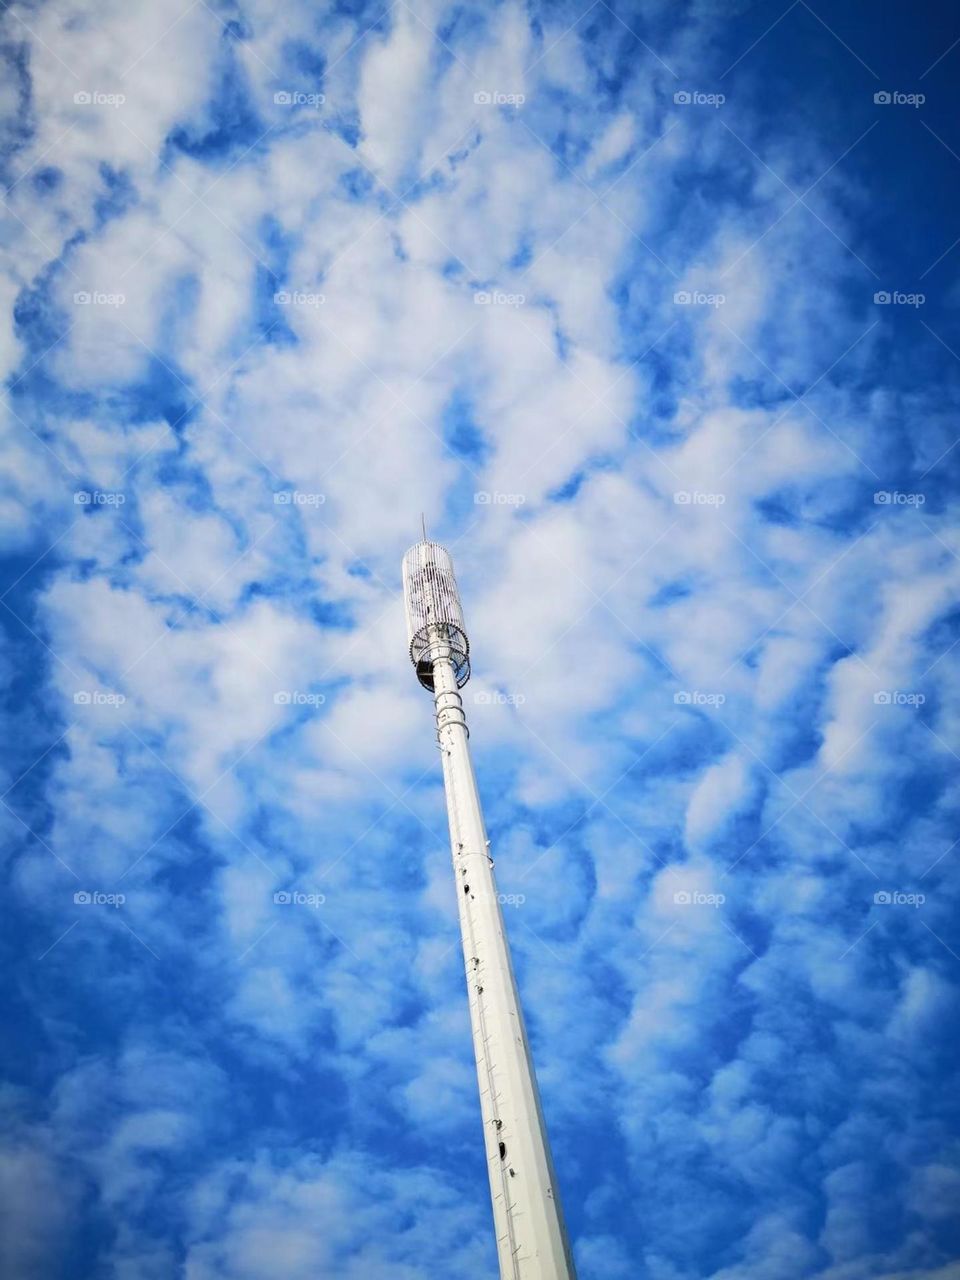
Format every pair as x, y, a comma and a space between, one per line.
531, 1237
433, 611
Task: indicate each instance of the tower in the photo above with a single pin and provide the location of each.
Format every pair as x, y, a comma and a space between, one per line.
531, 1237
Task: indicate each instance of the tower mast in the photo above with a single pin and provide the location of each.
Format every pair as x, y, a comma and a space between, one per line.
532, 1240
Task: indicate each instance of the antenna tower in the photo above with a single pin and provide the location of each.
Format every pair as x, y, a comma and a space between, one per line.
532, 1240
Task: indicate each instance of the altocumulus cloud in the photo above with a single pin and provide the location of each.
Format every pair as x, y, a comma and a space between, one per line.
590, 289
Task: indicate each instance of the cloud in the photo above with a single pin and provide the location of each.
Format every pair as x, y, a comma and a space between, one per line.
483, 266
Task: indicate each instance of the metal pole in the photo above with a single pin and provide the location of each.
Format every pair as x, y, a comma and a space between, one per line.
532, 1241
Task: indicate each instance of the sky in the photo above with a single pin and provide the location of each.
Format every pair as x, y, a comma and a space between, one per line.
651, 309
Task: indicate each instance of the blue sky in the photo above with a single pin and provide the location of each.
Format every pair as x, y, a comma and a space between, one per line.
652, 309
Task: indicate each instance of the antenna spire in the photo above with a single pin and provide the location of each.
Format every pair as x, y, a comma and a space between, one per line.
423, 525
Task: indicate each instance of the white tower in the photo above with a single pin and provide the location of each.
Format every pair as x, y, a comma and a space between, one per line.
531, 1238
